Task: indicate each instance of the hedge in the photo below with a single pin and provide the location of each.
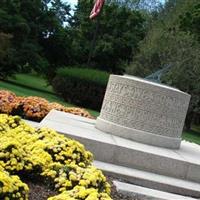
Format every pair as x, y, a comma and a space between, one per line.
83, 87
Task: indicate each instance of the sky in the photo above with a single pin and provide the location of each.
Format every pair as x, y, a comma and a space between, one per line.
71, 2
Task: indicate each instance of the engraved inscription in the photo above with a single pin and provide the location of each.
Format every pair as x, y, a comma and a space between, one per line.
146, 95
154, 111
146, 105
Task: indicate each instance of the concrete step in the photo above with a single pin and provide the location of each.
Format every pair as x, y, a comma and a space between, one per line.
183, 163
151, 180
142, 193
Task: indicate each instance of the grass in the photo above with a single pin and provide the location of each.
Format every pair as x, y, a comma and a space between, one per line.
32, 85
31, 81
193, 135
23, 91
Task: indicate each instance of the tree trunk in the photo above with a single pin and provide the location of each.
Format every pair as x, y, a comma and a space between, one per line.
188, 121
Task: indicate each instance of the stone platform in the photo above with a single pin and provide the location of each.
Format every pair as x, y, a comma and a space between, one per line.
182, 164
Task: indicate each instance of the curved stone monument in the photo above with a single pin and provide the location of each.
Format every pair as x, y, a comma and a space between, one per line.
143, 111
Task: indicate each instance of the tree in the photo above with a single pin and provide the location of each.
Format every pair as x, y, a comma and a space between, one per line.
148, 5
116, 41
190, 20
169, 44
62, 10
5, 52
185, 71
36, 27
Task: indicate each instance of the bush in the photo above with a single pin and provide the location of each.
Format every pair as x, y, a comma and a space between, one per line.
33, 108
7, 101
43, 154
12, 187
93, 75
83, 87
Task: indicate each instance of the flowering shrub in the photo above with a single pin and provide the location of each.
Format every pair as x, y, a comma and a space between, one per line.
11, 187
78, 111
34, 108
61, 162
80, 192
7, 101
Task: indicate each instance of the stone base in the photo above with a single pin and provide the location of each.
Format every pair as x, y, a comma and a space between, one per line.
151, 180
175, 171
183, 163
138, 135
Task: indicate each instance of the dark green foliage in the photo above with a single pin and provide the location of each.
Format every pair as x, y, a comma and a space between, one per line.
83, 87
35, 28
190, 20
119, 31
46, 36
5, 55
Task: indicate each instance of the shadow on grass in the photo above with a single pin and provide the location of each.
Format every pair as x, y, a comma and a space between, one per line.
27, 87
192, 135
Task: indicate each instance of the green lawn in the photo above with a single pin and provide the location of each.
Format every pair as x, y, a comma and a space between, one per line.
192, 135
32, 81
33, 85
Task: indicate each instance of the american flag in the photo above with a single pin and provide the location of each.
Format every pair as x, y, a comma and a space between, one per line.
97, 8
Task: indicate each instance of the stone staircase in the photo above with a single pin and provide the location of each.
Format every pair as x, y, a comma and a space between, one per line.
142, 193
170, 174
151, 180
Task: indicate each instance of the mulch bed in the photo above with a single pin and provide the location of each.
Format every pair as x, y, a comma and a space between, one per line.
39, 191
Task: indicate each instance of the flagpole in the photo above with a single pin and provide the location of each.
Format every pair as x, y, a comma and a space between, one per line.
93, 43
95, 14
